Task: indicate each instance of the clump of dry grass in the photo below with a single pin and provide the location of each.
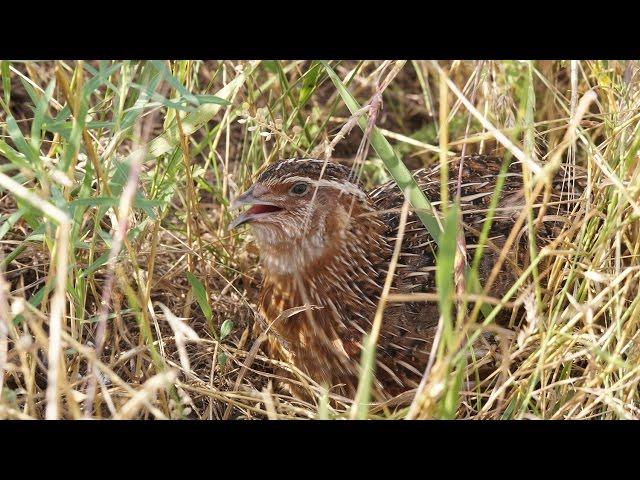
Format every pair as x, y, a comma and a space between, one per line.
123, 295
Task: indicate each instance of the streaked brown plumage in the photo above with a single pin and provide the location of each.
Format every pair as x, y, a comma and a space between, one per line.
326, 243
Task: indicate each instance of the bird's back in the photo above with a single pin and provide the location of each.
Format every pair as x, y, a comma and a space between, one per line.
409, 327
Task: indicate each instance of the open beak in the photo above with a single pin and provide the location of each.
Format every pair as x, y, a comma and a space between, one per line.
259, 208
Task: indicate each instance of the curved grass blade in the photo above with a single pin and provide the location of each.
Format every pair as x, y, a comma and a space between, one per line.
396, 168
201, 295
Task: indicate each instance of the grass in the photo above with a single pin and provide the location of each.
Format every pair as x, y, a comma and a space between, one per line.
124, 295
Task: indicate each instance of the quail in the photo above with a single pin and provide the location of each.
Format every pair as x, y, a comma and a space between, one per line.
325, 244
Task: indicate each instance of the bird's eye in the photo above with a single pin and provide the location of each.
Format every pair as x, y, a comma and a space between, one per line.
299, 188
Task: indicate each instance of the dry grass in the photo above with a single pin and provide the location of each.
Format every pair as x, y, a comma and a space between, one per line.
123, 295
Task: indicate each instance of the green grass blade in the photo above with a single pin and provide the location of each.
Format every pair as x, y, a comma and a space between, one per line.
201, 296
396, 168
444, 272
225, 328
6, 81
194, 120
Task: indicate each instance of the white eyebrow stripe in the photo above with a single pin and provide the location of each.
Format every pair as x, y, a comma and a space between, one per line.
344, 186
